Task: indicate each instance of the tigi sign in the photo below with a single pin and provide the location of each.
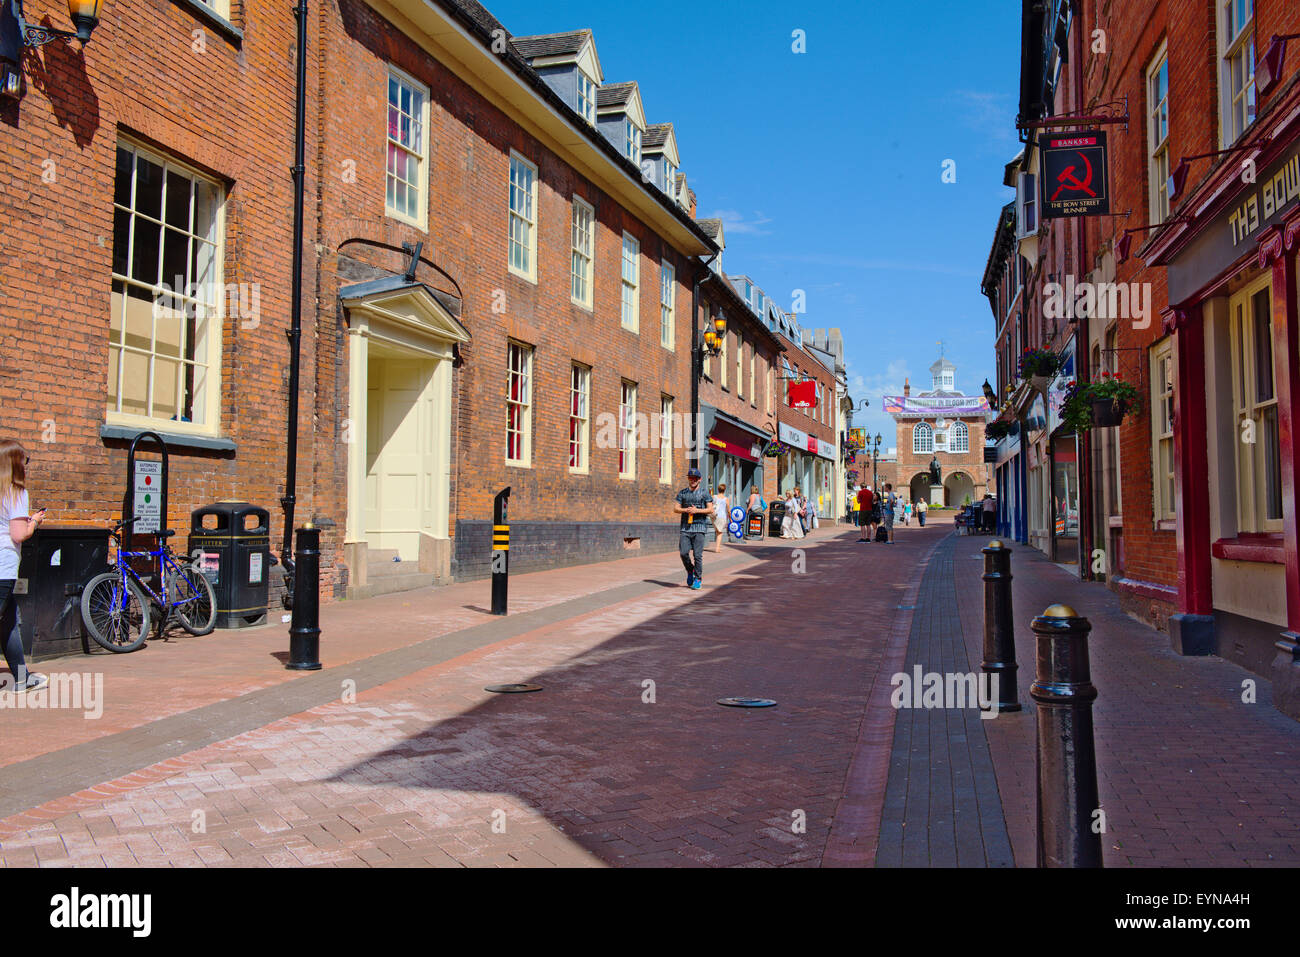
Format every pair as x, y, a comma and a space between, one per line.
1074, 174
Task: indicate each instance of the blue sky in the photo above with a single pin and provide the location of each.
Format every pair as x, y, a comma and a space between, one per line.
826, 166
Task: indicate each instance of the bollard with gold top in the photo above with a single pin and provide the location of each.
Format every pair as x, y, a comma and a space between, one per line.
500, 551
999, 627
1069, 831
304, 628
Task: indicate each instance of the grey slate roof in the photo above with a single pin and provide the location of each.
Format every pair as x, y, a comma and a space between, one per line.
710, 227
614, 94
551, 44
655, 136
476, 18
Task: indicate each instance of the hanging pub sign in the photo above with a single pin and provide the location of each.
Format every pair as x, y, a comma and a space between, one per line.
802, 395
1074, 176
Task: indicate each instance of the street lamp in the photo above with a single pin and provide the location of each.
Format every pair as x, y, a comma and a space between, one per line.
875, 457
16, 34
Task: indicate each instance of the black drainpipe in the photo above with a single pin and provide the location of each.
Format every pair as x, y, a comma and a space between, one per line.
696, 348
289, 499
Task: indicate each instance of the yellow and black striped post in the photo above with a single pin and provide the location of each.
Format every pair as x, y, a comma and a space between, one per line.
500, 551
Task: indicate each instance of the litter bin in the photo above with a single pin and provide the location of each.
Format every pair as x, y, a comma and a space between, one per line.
55, 564
230, 544
775, 516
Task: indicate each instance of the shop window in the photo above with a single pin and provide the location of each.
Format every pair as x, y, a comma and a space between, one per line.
166, 300
408, 147
1256, 444
519, 397
1162, 430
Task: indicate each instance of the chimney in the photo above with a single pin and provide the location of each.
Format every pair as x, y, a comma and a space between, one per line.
907, 388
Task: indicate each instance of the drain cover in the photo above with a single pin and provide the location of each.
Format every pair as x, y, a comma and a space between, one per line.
512, 689
747, 702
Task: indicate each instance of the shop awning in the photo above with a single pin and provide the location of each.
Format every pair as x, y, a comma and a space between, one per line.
735, 438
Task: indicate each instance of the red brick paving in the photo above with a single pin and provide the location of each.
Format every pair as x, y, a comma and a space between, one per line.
585, 772
1188, 774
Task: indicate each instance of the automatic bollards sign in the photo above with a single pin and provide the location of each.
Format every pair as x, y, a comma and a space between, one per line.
1074, 174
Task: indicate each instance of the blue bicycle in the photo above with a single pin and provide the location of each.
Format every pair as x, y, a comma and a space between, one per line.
116, 611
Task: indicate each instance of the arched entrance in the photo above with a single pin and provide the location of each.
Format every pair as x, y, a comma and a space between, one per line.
919, 488
957, 488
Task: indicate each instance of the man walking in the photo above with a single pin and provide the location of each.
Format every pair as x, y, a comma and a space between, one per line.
695, 507
889, 501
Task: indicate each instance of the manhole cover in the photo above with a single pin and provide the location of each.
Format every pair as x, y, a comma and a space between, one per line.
512, 689
747, 702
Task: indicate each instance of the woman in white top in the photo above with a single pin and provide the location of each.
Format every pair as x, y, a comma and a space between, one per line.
720, 516
16, 526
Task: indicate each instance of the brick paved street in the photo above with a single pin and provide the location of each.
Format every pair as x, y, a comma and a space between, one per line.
242, 763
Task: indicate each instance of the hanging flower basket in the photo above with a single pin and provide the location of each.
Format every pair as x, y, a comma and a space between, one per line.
1038, 366
1102, 404
1108, 413
775, 448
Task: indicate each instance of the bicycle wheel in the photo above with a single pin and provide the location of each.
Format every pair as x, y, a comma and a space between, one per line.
198, 611
118, 620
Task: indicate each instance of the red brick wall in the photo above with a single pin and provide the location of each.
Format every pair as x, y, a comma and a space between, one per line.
470, 144
227, 109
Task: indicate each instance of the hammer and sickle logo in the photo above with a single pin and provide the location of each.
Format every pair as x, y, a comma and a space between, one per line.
1068, 180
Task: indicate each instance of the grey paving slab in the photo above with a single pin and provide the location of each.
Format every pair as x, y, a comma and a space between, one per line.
941, 806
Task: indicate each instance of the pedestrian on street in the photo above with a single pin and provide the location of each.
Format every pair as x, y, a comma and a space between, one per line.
853, 503
889, 502
920, 512
866, 505
721, 512
16, 526
695, 507
907, 512
812, 513
794, 528
990, 513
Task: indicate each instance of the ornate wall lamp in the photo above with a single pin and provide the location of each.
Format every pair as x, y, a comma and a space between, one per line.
16, 35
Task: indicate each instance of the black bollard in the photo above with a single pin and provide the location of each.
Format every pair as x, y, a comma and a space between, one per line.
1067, 757
500, 552
304, 627
999, 628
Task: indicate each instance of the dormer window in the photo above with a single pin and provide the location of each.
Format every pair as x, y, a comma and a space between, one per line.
586, 97
670, 177
632, 140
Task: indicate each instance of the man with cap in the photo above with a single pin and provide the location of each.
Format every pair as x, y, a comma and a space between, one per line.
695, 506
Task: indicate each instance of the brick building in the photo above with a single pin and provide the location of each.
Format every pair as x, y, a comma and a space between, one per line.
152, 165
738, 388
943, 426
1188, 507
543, 338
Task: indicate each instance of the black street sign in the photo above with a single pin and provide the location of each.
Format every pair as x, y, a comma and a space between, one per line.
1074, 176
